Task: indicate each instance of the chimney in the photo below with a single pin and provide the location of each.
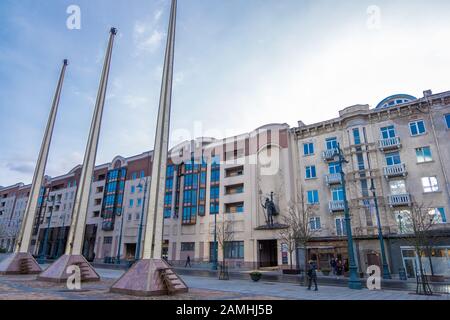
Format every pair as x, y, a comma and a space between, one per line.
427, 93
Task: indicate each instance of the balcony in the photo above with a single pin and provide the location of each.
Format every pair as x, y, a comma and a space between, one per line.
397, 170
336, 206
389, 144
333, 179
329, 155
400, 200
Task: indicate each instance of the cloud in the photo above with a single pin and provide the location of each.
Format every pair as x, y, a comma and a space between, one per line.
147, 35
26, 167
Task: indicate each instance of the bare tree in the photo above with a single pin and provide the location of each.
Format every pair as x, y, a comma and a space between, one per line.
420, 222
225, 234
298, 220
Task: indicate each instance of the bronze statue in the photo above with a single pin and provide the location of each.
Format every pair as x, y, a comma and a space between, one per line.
269, 206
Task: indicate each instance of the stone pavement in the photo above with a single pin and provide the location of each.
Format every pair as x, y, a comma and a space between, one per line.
201, 288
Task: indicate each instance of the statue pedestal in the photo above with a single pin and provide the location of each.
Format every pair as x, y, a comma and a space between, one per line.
149, 277
19, 263
57, 271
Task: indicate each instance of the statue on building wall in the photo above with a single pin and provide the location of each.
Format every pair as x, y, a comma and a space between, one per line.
271, 210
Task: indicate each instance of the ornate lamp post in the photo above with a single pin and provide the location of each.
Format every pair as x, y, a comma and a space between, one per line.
43, 255
353, 282
137, 255
386, 273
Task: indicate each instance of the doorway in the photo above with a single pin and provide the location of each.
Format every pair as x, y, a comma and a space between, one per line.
268, 253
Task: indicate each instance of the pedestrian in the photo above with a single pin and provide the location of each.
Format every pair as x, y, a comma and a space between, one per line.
333, 265
188, 262
339, 268
312, 275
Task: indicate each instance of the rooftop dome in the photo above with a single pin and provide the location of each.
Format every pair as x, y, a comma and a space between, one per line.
395, 100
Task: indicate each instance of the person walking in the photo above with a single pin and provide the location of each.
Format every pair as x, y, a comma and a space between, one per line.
333, 265
188, 262
312, 275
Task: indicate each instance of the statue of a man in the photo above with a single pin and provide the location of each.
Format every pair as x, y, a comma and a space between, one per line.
269, 205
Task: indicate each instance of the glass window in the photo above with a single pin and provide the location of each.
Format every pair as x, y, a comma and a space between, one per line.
338, 194
404, 222
388, 132
438, 215
417, 127
167, 212
356, 136
308, 149
315, 223
393, 159
334, 167
131, 203
447, 120
397, 187
430, 184
139, 202
311, 172
331, 143
234, 250
341, 228
313, 197
424, 155
134, 176
133, 189
188, 246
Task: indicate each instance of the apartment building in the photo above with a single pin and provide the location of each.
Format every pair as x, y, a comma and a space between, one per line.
400, 151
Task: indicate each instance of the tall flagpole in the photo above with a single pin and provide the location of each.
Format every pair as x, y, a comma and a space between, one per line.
73, 254
21, 256
145, 277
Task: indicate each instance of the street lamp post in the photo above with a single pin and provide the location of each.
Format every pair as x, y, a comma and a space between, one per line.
214, 267
43, 255
354, 281
137, 255
386, 273
119, 248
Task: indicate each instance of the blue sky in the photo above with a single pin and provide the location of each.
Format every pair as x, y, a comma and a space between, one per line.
239, 64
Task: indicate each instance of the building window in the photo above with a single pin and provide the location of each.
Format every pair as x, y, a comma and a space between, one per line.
234, 250
388, 132
313, 197
356, 136
107, 240
311, 172
188, 246
314, 223
234, 207
134, 176
338, 194
139, 202
404, 222
133, 189
131, 203
308, 149
417, 128
341, 227
438, 215
393, 159
331, 143
447, 120
397, 187
235, 189
232, 172
430, 184
334, 167
424, 155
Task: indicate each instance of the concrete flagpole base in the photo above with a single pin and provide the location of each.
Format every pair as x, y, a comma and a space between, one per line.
149, 277
57, 271
19, 263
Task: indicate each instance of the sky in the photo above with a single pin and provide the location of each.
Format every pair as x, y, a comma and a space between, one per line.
239, 64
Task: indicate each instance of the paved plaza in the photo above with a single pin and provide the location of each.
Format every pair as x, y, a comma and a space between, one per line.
201, 288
